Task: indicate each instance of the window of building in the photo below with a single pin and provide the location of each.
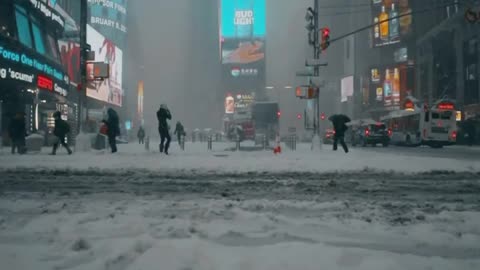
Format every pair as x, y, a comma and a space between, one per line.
38, 37
6, 20
52, 48
23, 26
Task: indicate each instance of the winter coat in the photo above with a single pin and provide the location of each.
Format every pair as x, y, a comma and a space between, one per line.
62, 128
17, 129
141, 133
113, 123
163, 115
179, 130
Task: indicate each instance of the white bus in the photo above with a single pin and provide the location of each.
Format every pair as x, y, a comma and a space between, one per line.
415, 126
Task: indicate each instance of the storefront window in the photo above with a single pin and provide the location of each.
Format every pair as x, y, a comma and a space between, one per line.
38, 37
52, 48
23, 27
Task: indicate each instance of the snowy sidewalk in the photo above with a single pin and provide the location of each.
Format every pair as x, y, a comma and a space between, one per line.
198, 159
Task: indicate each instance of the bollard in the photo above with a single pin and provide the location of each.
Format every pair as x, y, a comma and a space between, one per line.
237, 147
147, 143
264, 141
107, 145
210, 142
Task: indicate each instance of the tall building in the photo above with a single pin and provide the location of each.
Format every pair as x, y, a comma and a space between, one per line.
32, 78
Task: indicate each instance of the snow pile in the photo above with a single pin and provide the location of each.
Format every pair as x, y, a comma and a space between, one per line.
127, 233
197, 159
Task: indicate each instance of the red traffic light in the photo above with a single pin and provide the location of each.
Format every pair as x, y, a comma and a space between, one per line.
299, 116
326, 32
279, 113
322, 116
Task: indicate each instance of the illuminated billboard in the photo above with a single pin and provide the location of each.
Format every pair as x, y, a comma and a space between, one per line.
109, 90
109, 17
242, 30
389, 29
389, 84
346, 88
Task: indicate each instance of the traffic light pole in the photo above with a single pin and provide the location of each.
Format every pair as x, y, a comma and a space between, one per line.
316, 71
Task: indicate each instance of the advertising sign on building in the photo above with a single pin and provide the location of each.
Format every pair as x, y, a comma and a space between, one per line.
111, 89
242, 36
27, 68
106, 33
390, 85
140, 99
390, 24
109, 17
346, 88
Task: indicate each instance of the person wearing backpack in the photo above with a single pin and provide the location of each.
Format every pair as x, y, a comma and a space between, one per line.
62, 128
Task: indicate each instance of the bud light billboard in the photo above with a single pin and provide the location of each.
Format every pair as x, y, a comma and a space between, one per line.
242, 30
242, 38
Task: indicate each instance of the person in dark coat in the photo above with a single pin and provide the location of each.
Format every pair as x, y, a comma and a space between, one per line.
62, 128
17, 133
113, 128
339, 122
141, 135
179, 131
163, 115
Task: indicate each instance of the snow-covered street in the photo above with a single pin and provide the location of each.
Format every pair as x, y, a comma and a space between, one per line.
203, 210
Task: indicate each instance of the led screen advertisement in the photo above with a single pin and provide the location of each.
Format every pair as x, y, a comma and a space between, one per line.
242, 30
109, 18
389, 85
109, 90
389, 29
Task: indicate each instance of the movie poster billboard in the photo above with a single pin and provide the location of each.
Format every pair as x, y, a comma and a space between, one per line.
70, 53
111, 89
109, 17
390, 26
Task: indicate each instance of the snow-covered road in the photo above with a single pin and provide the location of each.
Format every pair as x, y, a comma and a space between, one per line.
219, 210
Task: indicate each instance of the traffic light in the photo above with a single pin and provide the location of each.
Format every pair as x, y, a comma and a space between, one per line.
279, 113
299, 116
325, 38
322, 116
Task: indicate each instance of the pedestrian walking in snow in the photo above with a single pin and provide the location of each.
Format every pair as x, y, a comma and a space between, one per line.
113, 128
180, 132
339, 122
163, 114
141, 135
62, 128
17, 132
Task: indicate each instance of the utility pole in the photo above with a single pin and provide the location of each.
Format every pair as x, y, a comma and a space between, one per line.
84, 49
316, 70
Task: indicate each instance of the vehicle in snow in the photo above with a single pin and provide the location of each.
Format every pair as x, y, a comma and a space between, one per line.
417, 125
265, 116
329, 136
371, 134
